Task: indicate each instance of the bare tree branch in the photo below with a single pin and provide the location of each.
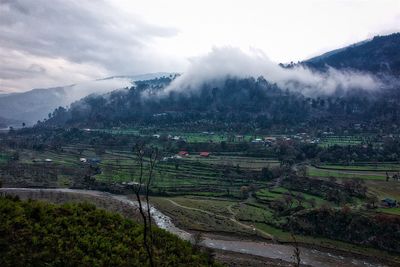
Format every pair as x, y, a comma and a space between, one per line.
137, 189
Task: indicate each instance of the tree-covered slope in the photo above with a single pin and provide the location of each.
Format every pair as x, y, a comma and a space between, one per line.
255, 103
34, 233
234, 105
379, 55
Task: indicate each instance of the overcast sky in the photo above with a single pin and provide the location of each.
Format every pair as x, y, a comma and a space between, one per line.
46, 43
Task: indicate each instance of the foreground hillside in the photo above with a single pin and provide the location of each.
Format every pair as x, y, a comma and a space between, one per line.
35, 233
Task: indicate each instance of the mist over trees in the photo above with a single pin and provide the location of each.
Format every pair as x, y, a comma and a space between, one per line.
234, 105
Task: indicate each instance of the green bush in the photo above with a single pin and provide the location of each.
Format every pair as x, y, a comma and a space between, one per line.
34, 233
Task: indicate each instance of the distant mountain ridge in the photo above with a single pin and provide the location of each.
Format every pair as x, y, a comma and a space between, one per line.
379, 55
36, 104
334, 52
5, 123
144, 77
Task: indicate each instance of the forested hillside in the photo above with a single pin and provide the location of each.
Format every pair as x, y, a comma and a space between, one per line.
235, 105
250, 103
379, 55
34, 233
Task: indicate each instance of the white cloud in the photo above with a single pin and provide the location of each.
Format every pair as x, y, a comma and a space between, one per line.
225, 62
50, 43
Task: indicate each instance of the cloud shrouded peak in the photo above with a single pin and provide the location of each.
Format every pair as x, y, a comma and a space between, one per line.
225, 62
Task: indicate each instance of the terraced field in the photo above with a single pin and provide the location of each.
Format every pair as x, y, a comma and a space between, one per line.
279, 192
237, 161
3, 158
347, 174
341, 140
192, 137
367, 166
215, 176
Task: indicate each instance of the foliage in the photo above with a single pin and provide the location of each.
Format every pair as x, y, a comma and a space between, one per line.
34, 233
376, 230
329, 190
234, 105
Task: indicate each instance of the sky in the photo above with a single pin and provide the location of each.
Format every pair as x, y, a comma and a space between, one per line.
59, 42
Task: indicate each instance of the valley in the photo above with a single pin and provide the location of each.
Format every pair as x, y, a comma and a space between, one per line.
187, 133
245, 190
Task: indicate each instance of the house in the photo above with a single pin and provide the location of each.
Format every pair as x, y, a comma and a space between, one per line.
160, 114
170, 158
257, 141
204, 154
239, 138
183, 153
270, 139
388, 202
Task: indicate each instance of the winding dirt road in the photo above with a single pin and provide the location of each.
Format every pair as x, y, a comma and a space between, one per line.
232, 218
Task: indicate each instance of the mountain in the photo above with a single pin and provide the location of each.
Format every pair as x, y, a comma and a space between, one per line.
144, 77
32, 105
5, 123
238, 105
245, 104
380, 55
36, 104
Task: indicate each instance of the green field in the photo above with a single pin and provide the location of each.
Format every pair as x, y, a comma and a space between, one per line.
191, 137
384, 189
340, 140
200, 215
395, 211
278, 194
365, 166
213, 176
237, 161
117, 131
346, 174
3, 158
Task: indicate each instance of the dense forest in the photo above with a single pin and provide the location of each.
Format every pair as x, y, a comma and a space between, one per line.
379, 230
236, 105
41, 234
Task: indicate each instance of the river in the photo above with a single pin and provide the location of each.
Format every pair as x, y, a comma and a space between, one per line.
309, 256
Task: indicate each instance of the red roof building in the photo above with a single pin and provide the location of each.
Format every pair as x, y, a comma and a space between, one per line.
183, 153
204, 154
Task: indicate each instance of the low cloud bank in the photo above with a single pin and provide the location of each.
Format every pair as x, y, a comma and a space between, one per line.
225, 62
78, 91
